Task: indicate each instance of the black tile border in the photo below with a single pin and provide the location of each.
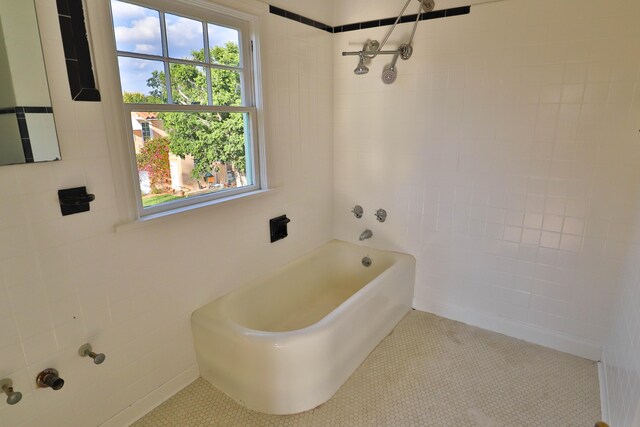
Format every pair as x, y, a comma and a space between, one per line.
445, 13
30, 110
76, 51
24, 136
299, 18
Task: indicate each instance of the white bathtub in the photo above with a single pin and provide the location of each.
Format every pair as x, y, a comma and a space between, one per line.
286, 343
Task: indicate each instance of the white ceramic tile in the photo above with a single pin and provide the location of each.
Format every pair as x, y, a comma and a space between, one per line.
68, 280
39, 346
536, 135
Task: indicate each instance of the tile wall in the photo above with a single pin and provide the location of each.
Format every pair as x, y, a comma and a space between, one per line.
507, 158
66, 281
622, 349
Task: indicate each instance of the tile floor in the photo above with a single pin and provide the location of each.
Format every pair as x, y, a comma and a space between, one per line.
429, 372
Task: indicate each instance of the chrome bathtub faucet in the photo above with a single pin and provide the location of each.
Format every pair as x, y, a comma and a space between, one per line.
366, 234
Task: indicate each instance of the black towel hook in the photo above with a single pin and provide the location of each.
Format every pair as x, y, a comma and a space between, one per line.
74, 200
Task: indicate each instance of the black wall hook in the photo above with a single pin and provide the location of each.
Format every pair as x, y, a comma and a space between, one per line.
278, 228
74, 200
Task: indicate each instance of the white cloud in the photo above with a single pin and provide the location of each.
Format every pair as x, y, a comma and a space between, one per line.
146, 48
135, 72
126, 11
219, 36
140, 32
183, 36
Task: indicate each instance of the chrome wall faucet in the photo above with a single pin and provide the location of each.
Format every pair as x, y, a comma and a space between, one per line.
366, 234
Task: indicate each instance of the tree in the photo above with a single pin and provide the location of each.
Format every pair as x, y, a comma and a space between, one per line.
139, 98
208, 137
154, 159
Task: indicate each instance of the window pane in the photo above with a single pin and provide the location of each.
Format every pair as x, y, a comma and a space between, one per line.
137, 28
184, 38
188, 84
191, 154
223, 45
142, 81
227, 89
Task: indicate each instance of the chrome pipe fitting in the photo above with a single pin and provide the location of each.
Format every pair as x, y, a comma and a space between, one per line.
49, 378
13, 397
86, 351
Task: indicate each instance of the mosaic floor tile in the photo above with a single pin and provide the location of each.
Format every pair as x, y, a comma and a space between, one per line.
429, 371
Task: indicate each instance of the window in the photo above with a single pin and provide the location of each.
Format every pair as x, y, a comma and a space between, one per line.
146, 131
187, 83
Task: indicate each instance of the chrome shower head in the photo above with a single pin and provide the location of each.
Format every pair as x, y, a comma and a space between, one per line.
390, 72
361, 68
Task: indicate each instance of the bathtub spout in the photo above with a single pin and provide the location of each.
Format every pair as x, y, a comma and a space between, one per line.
366, 234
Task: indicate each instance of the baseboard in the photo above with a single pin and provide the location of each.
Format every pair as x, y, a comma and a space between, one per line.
513, 329
145, 405
604, 390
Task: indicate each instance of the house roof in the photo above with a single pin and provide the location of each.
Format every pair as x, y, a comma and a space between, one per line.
147, 116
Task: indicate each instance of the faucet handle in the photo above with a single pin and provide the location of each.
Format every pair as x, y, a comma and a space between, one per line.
13, 397
86, 350
357, 211
381, 215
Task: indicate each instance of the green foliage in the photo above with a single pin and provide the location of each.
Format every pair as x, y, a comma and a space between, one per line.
139, 98
208, 137
159, 199
154, 158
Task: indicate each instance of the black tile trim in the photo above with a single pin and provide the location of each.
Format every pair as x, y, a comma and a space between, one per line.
24, 137
76, 51
30, 110
299, 18
445, 13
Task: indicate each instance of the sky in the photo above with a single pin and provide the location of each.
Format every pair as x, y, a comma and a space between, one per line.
137, 30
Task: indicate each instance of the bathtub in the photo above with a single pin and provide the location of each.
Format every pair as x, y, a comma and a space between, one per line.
286, 342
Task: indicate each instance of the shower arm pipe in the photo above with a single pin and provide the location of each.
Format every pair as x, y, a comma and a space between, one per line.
368, 52
390, 52
384, 41
415, 25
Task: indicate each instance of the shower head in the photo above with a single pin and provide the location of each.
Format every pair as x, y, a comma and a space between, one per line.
361, 68
390, 72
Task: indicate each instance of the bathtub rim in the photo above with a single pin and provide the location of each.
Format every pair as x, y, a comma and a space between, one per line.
221, 316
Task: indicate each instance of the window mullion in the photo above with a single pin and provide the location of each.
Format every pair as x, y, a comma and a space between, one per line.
207, 60
160, 108
165, 54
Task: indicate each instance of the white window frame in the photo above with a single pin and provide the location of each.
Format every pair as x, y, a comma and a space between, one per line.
201, 10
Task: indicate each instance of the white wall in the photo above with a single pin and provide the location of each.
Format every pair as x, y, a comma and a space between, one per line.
68, 280
507, 159
622, 349
621, 353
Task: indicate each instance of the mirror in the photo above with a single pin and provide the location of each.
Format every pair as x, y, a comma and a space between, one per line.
27, 128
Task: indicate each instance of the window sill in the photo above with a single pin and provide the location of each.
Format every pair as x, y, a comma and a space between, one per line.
156, 218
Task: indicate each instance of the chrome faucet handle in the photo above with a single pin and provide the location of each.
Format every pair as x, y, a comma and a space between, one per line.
86, 350
381, 215
13, 397
357, 211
